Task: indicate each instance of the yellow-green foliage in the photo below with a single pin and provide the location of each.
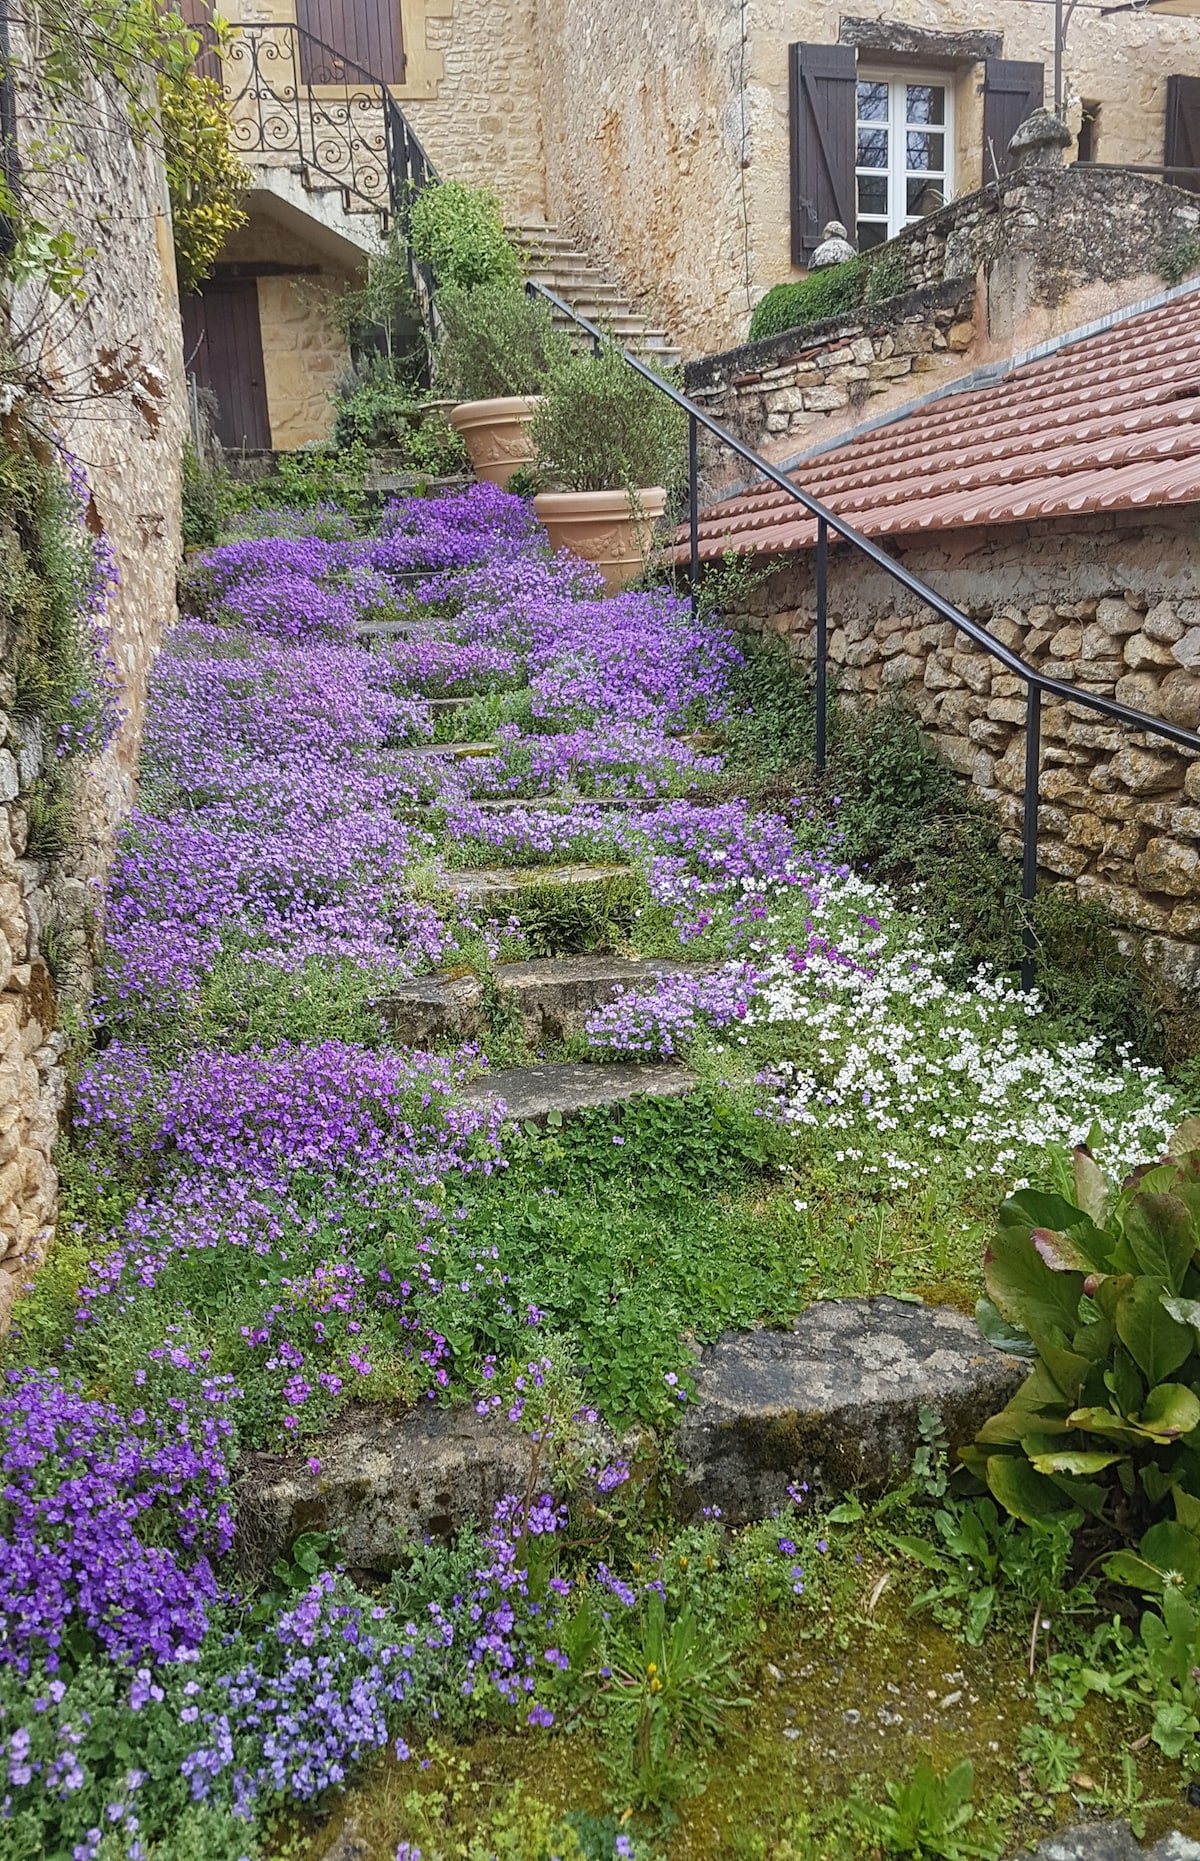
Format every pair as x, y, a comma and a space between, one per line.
205, 177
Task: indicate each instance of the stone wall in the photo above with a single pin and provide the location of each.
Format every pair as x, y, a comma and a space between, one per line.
483, 123
646, 123
790, 392
106, 375
1110, 605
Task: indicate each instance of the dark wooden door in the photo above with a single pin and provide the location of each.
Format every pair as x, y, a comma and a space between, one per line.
222, 347
198, 15
366, 33
1012, 90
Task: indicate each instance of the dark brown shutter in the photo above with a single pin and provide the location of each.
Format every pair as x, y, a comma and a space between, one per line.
1182, 142
822, 93
364, 33
198, 15
222, 347
1012, 91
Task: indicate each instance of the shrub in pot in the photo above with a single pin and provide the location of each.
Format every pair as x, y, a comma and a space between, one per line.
459, 232
497, 347
611, 444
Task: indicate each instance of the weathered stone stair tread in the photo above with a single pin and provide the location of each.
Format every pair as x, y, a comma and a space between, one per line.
552, 995
397, 629
1110, 1841
462, 750
446, 707
558, 804
531, 1093
836, 1397
833, 1400
486, 882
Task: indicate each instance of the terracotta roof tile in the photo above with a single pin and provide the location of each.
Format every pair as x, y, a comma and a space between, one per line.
1104, 422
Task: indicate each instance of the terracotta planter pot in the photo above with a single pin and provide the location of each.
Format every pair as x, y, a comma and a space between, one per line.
496, 434
603, 527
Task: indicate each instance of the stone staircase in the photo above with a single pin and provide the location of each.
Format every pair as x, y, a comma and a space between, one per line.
556, 261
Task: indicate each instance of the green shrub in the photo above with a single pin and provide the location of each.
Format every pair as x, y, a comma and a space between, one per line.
827, 293
207, 499
1104, 1292
459, 231
496, 340
808, 300
386, 415
603, 427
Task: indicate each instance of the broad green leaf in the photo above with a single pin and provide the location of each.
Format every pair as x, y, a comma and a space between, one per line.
1099, 1421
1171, 1411
1126, 1567
1185, 1138
1159, 1229
1002, 1336
1122, 1381
1170, 1547
1073, 1462
1157, 1342
1183, 1311
1036, 1208
1024, 1492
1091, 1185
1062, 1252
1027, 1293
1187, 1510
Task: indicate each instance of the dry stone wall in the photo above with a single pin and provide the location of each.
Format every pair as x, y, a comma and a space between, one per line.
1109, 607
106, 376
794, 391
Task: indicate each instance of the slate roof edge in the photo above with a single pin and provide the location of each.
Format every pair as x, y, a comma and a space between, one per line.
986, 376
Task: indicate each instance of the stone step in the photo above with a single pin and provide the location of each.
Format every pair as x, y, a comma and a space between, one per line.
397, 630
531, 1093
446, 707
458, 752
553, 996
834, 1399
496, 885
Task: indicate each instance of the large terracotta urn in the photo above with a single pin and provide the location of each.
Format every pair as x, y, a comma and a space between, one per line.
604, 527
496, 434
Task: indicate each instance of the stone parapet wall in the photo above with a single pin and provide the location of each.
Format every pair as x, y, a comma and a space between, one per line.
994, 273
1111, 607
790, 392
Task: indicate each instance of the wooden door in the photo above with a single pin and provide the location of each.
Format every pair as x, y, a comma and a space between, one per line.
198, 15
366, 33
1012, 91
222, 347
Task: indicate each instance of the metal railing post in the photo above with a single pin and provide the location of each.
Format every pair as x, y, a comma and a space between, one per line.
694, 514
822, 638
1029, 832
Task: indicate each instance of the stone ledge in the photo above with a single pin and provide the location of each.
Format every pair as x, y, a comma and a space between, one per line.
834, 1400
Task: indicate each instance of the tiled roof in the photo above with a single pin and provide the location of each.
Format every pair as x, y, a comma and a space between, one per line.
1104, 422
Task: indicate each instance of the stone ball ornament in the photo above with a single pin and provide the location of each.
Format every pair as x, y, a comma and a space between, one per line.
835, 248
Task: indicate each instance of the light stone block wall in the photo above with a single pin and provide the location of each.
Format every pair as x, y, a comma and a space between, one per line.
1111, 605
645, 111
107, 376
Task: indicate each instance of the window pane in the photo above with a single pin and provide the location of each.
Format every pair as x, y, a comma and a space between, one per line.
872, 148
870, 233
873, 104
926, 103
926, 152
873, 193
925, 195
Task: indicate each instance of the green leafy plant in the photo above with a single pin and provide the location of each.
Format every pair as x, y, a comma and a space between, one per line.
459, 231
379, 318
496, 340
929, 1815
1050, 1757
207, 498
827, 293
205, 178
602, 427
385, 415
1107, 1289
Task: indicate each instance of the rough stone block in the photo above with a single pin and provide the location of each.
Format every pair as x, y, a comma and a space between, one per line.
1179, 699
531, 1093
1168, 866
833, 1400
1116, 616
1163, 623
1141, 650
1144, 773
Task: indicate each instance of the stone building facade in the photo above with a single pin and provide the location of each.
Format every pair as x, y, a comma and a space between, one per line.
105, 376
1109, 604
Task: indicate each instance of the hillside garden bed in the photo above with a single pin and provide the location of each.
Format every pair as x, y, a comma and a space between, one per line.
274, 1211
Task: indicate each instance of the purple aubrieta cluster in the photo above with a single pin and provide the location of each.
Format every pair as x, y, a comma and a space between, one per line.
108, 1523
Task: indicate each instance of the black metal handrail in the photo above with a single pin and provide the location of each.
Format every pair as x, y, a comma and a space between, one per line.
1036, 683
287, 93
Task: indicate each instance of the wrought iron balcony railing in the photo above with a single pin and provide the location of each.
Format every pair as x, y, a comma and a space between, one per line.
294, 101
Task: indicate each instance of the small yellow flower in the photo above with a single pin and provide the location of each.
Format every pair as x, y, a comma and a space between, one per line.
656, 1686
683, 1563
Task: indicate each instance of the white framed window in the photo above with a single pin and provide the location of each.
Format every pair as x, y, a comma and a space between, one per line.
904, 157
